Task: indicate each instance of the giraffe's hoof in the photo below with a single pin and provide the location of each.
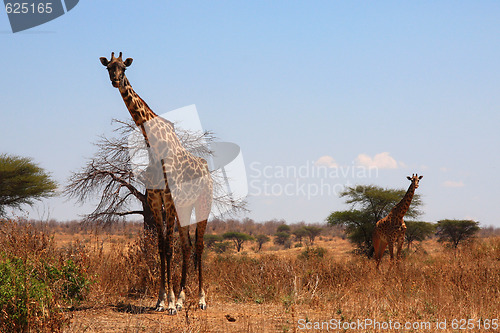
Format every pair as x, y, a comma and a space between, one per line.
202, 306
172, 312
178, 307
160, 308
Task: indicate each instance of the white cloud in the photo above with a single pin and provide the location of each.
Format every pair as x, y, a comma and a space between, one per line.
451, 183
327, 161
381, 161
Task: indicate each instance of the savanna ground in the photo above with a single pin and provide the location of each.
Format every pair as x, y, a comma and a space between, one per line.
274, 290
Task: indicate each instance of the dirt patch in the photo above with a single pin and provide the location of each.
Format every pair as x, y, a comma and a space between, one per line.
140, 317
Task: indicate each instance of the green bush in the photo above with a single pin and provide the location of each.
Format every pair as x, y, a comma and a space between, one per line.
26, 301
312, 252
71, 282
222, 247
37, 280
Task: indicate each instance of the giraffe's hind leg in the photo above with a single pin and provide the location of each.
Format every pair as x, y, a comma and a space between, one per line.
160, 304
202, 209
379, 247
380, 252
200, 231
169, 235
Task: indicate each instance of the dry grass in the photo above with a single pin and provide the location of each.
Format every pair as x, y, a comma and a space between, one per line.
272, 290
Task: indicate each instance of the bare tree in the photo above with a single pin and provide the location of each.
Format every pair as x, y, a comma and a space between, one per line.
112, 175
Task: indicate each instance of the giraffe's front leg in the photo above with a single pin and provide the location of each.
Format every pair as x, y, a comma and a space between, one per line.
181, 298
401, 240
169, 250
399, 252
162, 295
155, 204
202, 304
171, 309
184, 214
160, 304
391, 250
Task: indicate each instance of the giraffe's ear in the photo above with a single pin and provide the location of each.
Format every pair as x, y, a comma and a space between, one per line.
128, 62
104, 61
420, 177
408, 177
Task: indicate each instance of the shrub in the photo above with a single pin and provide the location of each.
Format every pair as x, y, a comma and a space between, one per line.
312, 252
69, 280
222, 247
35, 279
26, 301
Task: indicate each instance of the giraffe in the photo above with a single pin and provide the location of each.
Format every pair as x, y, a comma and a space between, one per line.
391, 229
182, 183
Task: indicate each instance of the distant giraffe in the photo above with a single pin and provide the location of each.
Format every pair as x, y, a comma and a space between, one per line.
391, 229
182, 183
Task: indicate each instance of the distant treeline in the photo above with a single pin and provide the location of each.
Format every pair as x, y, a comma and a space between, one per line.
215, 226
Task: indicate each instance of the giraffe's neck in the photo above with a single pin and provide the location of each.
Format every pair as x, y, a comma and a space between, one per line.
141, 113
402, 207
137, 107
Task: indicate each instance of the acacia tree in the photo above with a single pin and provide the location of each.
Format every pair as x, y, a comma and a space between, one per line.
312, 232
284, 228
300, 233
22, 182
281, 237
112, 175
456, 231
210, 240
369, 204
238, 238
261, 239
418, 231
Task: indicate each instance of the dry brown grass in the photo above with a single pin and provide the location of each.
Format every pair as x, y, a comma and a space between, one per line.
272, 290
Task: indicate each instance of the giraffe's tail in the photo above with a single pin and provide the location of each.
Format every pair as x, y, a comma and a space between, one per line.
189, 239
371, 251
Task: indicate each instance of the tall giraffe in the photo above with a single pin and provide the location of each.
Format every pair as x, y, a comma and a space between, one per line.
182, 183
391, 229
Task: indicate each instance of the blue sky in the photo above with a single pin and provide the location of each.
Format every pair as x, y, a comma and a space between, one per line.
404, 87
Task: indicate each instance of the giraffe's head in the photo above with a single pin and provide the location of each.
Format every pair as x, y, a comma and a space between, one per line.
116, 68
415, 179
